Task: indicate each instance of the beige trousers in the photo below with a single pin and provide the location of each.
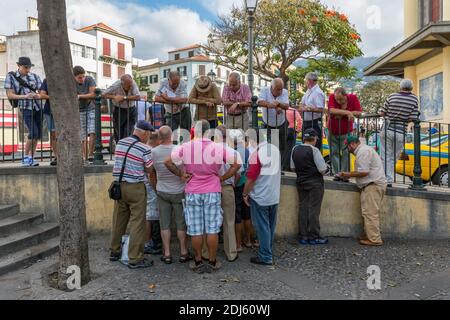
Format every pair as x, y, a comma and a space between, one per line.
371, 200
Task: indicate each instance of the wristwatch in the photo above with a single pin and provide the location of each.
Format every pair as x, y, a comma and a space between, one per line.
125, 98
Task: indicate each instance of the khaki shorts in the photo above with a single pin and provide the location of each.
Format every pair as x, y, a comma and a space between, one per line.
168, 204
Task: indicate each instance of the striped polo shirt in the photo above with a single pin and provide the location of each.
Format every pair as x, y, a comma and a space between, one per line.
401, 107
139, 157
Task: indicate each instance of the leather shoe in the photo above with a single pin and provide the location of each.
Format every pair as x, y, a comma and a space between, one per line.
257, 260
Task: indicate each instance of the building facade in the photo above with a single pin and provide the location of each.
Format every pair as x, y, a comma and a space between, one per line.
423, 56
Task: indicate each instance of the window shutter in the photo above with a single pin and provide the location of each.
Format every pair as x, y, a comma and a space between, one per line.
106, 47
121, 51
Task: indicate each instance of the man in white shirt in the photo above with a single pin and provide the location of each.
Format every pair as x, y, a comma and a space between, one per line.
312, 106
274, 101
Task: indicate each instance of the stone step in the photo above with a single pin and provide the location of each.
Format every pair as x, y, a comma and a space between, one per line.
9, 210
19, 222
28, 238
27, 257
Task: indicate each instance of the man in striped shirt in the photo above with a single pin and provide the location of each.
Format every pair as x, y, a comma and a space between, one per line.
132, 206
399, 109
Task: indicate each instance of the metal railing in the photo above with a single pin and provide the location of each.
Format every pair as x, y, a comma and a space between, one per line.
417, 155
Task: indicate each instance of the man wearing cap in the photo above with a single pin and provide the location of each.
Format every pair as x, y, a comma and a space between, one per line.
206, 96
310, 166
312, 105
133, 156
371, 180
21, 89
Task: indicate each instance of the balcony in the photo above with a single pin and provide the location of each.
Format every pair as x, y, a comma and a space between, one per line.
114, 59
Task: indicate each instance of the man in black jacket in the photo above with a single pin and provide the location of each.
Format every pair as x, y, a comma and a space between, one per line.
310, 166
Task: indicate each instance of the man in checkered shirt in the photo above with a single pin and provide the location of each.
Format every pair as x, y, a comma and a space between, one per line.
24, 96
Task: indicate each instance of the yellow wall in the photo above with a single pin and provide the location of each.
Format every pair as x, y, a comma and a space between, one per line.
446, 68
411, 16
446, 10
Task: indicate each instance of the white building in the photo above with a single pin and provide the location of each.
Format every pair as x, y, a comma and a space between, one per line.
104, 53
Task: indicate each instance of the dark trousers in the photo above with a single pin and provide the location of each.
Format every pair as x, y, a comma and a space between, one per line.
156, 234
282, 135
290, 144
310, 198
124, 121
316, 125
181, 120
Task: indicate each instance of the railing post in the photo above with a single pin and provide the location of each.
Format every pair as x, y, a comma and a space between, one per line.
255, 112
98, 155
417, 179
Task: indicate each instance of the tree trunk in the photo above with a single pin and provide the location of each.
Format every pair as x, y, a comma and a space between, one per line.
57, 60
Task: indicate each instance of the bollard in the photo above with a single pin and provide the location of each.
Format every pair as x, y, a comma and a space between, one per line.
98, 155
417, 180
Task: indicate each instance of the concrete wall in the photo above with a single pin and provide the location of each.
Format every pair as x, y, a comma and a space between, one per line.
406, 214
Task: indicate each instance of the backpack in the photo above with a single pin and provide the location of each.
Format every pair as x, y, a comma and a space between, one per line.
22, 83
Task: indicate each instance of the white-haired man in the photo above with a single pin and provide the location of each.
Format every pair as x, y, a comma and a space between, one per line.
399, 109
236, 98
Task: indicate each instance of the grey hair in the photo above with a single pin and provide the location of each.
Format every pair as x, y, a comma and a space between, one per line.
173, 74
312, 76
406, 85
235, 75
340, 90
277, 81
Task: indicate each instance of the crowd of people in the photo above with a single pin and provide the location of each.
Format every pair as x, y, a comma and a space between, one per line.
204, 179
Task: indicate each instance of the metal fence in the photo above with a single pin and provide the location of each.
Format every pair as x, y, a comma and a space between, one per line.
416, 155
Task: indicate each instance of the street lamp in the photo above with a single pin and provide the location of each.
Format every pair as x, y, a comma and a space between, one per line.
250, 7
212, 75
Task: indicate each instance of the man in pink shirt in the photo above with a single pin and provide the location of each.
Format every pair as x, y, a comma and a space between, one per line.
202, 160
236, 98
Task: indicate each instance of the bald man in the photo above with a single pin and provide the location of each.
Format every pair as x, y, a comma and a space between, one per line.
274, 101
236, 98
123, 94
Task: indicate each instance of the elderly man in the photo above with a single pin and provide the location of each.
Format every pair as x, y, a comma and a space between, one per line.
206, 96
312, 105
399, 109
173, 93
170, 191
133, 160
124, 93
344, 107
274, 101
21, 88
371, 180
203, 160
236, 98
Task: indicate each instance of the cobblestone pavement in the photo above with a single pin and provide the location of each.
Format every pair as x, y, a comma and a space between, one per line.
409, 270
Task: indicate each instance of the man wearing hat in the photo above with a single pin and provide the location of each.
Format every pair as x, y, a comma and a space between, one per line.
21, 89
133, 158
206, 96
371, 180
310, 166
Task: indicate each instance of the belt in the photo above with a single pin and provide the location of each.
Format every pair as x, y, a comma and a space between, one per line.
235, 114
363, 188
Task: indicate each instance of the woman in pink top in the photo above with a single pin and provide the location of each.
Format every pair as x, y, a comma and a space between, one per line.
295, 126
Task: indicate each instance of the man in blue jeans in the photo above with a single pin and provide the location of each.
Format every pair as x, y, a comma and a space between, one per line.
262, 194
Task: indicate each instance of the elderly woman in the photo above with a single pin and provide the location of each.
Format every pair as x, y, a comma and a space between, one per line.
206, 96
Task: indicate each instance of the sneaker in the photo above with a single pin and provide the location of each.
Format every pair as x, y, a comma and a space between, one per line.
198, 267
318, 241
115, 256
151, 250
303, 242
144, 263
33, 163
257, 260
91, 159
26, 162
53, 163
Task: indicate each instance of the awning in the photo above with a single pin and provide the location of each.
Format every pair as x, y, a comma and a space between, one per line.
419, 47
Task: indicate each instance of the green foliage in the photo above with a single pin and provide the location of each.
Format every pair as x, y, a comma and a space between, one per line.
373, 95
284, 31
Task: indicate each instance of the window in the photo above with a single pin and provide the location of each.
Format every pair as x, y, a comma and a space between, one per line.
182, 71
166, 73
92, 74
144, 81
77, 50
153, 78
120, 51
106, 47
107, 70
430, 11
191, 54
202, 70
91, 53
120, 71
177, 56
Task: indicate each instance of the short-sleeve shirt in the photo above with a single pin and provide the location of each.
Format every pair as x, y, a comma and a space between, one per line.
203, 159
342, 126
399, 109
315, 98
167, 182
33, 80
83, 88
368, 160
180, 92
226, 167
139, 158
270, 116
117, 89
44, 87
243, 95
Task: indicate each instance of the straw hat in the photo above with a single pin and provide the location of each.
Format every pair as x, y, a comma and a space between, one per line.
203, 84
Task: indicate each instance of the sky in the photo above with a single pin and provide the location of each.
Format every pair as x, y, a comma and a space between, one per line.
159, 26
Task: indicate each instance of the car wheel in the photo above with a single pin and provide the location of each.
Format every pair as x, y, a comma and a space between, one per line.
440, 178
